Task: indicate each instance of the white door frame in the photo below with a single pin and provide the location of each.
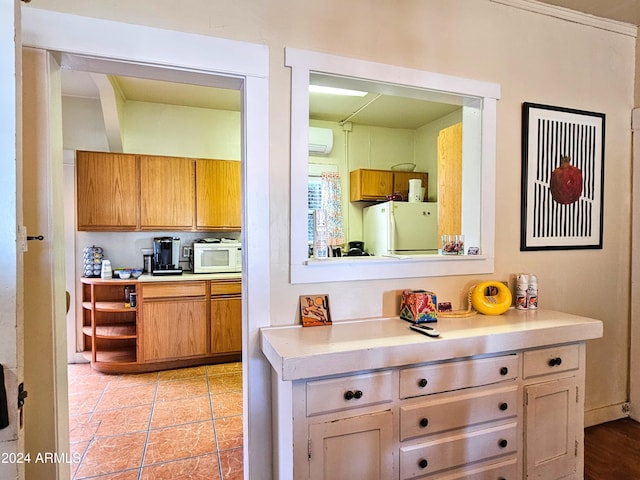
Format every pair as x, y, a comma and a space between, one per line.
634, 355
182, 54
11, 354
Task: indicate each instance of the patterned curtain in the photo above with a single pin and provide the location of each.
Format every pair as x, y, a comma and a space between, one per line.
331, 202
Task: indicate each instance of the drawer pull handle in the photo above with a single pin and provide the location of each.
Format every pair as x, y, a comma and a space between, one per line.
422, 382
503, 443
554, 362
504, 406
424, 422
423, 463
504, 371
348, 395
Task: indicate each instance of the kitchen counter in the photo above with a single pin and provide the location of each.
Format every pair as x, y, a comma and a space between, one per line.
189, 276
297, 352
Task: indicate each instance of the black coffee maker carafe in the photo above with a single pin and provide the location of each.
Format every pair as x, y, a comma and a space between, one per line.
166, 256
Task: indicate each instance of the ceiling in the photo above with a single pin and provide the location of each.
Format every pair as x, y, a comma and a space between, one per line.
381, 110
627, 11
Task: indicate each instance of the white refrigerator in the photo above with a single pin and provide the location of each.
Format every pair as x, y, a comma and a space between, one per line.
401, 228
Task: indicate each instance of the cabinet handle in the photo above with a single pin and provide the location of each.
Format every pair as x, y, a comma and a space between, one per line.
422, 382
348, 395
423, 463
502, 443
554, 362
504, 406
424, 422
504, 371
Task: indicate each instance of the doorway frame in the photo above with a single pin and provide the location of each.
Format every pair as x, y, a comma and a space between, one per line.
191, 54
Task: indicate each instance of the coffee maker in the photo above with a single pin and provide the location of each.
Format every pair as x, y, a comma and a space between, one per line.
166, 256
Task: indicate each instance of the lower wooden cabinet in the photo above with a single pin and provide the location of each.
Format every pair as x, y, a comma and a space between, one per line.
173, 329
226, 324
504, 416
353, 447
177, 323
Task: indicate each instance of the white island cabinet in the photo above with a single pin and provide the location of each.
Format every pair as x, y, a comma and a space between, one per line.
492, 398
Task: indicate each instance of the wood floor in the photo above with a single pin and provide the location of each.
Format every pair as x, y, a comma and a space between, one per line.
612, 451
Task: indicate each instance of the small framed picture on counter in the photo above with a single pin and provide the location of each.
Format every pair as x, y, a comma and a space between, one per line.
314, 310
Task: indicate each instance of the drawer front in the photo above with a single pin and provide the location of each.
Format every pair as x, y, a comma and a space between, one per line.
225, 288
457, 450
449, 413
446, 377
177, 289
344, 393
503, 470
550, 360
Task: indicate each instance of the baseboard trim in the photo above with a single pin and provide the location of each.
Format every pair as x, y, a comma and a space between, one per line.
597, 416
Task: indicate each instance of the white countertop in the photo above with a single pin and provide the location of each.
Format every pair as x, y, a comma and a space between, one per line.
189, 276
297, 352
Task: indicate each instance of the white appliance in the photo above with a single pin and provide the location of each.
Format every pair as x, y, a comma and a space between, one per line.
217, 256
320, 141
401, 228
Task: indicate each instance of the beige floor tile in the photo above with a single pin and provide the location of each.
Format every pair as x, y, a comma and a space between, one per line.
184, 410
122, 421
231, 464
183, 388
182, 373
112, 454
227, 404
229, 432
80, 403
82, 428
196, 468
226, 383
224, 368
179, 442
127, 396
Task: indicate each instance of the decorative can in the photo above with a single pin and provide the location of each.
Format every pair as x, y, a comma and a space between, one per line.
522, 287
532, 293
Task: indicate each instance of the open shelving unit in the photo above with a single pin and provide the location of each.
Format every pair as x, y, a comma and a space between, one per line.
108, 324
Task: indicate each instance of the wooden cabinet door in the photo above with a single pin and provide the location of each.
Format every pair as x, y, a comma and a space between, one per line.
107, 190
174, 329
226, 324
218, 204
355, 447
167, 196
550, 429
370, 185
450, 180
401, 182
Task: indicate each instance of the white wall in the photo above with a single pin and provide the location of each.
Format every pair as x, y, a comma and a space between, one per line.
535, 58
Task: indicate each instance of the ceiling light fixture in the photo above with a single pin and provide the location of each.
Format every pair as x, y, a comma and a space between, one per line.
336, 91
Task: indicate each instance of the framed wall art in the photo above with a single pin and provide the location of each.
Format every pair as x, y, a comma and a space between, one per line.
314, 310
562, 178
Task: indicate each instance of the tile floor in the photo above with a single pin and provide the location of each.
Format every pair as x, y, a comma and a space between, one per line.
184, 423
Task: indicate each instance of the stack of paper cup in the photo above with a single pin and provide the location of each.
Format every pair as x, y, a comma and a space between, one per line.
416, 191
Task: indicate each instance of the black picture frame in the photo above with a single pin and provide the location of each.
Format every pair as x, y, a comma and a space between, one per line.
548, 134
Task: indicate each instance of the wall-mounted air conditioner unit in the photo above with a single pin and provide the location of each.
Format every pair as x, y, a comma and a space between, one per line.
320, 141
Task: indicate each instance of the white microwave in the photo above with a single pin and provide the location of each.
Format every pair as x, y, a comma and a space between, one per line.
217, 257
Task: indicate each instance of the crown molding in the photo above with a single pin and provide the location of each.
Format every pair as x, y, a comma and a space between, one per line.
572, 16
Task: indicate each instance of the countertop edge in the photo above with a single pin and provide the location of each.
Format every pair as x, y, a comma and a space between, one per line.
328, 358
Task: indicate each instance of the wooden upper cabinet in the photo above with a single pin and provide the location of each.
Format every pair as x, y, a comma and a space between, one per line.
374, 185
218, 205
107, 191
401, 182
370, 185
167, 192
